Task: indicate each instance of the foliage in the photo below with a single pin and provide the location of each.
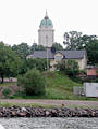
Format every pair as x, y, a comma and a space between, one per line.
69, 67
92, 51
6, 92
39, 64
36, 47
34, 83
57, 46
10, 64
75, 41
22, 50
71, 40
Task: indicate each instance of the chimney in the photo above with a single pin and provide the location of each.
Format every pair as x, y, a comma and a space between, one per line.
48, 49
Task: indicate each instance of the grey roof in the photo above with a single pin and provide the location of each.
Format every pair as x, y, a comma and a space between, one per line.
66, 54
42, 54
73, 54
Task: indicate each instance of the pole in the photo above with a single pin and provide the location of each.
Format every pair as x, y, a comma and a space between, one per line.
47, 52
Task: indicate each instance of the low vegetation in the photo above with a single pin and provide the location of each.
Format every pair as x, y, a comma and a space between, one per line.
57, 85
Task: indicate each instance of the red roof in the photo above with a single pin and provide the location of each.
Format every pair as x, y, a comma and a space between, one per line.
92, 72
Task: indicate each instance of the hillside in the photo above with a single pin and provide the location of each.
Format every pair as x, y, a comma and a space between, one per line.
59, 86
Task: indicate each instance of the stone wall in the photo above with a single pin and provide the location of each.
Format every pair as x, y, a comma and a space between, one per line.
12, 88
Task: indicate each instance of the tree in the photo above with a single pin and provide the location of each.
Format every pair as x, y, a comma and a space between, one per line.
22, 50
69, 67
72, 40
36, 47
38, 63
34, 83
57, 46
10, 64
92, 52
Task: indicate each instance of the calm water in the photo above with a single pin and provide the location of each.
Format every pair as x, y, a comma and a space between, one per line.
49, 123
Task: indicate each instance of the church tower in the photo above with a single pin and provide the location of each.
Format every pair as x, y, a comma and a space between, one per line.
46, 32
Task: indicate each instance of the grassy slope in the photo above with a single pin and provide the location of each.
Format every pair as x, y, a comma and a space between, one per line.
60, 86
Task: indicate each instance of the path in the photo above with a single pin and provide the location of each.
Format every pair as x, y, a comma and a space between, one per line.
52, 102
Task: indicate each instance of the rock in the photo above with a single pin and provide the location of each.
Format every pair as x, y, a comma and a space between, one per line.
47, 113
17, 111
23, 109
13, 114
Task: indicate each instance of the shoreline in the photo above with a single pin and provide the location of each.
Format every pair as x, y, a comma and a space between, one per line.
31, 111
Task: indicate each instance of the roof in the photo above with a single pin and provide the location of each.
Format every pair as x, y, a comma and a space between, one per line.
73, 54
66, 54
46, 21
92, 72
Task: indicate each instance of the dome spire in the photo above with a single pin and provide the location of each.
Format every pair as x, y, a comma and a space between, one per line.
46, 17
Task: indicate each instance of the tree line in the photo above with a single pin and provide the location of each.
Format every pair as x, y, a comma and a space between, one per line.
13, 58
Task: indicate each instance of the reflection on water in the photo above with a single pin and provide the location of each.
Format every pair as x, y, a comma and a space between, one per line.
49, 123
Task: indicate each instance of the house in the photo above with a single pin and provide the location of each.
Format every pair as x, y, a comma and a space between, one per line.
92, 72
56, 56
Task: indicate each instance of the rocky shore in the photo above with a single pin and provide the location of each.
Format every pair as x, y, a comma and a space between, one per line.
18, 111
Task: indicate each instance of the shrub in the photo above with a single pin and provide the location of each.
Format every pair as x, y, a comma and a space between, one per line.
34, 83
6, 92
69, 67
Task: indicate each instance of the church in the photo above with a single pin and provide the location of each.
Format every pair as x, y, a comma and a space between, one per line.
46, 38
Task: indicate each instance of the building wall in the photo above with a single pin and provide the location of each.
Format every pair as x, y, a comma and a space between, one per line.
46, 36
53, 62
82, 63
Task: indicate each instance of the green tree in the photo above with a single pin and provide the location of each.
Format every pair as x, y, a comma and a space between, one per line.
22, 50
10, 64
72, 40
39, 64
69, 67
92, 51
34, 83
57, 46
36, 47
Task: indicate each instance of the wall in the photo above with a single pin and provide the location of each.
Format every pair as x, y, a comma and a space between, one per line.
13, 89
46, 36
91, 89
82, 63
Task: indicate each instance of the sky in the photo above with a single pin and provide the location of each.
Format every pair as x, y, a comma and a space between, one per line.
20, 19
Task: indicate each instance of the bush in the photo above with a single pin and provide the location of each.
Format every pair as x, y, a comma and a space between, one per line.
69, 67
6, 92
34, 83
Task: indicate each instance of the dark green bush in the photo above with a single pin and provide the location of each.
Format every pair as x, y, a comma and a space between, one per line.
6, 92
33, 83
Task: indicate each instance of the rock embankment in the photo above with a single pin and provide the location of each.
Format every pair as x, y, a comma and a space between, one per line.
18, 111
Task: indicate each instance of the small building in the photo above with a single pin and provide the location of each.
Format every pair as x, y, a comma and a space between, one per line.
57, 56
88, 90
92, 72
91, 89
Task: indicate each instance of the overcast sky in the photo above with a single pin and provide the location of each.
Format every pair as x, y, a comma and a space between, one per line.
20, 19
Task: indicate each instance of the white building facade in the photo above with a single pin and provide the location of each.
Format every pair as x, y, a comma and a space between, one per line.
46, 32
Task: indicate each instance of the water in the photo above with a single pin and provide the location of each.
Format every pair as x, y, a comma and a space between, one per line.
49, 123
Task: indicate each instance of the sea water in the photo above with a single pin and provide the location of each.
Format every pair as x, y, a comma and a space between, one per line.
49, 123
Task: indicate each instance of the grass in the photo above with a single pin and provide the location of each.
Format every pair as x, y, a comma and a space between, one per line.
58, 86
48, 106
44, 106
8, 84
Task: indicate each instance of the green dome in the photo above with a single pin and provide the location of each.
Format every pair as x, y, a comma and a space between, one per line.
45, 22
